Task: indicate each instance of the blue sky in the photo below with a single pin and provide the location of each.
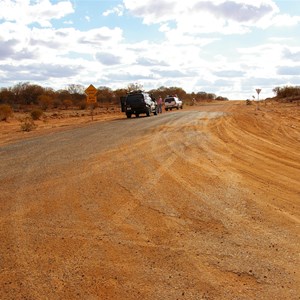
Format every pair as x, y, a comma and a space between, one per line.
226, 47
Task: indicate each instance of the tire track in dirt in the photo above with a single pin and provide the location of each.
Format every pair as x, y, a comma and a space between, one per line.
267, 155
176, 209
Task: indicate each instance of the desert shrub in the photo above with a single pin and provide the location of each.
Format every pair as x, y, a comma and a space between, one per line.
248, 102
5, 112
36, 114
28, 125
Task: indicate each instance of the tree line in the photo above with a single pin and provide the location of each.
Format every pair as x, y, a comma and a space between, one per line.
27, 94
287, 91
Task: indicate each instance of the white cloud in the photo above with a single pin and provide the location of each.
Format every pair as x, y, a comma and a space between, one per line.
41, 12
49, 41
292, 54
153, 11
194, 17
200, 46
229, 73
261, 60
108, 58
238, 11
289, 70
285, 20
118, 10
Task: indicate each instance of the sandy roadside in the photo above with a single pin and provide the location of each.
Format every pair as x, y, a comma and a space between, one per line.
196, 205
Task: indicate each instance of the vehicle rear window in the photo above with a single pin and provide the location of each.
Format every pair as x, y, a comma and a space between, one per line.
169, 100
131, 99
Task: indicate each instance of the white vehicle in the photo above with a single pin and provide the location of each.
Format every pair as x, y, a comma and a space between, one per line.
172, 102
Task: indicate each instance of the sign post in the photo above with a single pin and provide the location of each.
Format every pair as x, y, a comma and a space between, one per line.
258, 91
91, 97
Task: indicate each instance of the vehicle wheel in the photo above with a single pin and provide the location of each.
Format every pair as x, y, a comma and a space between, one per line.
137, 115
148, 112
166, 109
181, 107
177, 107
128, 116
155, 111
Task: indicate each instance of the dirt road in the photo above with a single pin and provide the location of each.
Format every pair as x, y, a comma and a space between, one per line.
192, 204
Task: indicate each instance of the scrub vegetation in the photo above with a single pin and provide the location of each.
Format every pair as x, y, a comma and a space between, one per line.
27, 96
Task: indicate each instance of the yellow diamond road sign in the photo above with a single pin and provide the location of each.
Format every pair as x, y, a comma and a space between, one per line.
91, 99
91, 93
91, 90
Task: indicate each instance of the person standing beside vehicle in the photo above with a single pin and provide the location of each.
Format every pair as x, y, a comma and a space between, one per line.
159, 104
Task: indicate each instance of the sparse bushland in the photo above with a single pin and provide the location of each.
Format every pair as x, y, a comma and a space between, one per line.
5, 112
25, 95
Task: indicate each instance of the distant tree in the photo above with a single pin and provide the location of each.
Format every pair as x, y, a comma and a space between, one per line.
5, 112
287, 91
161, 91
18, 91
169, 91
211, 96
76, 92
176, 91
193, 95
45, 101
7, 96
105, 95
67, 103
118, 94
276, 90
131, 87
206, 96
220, 98
61, 96
75, 89
201, 95
26, 93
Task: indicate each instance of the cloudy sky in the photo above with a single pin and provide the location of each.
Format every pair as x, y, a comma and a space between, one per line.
226, 47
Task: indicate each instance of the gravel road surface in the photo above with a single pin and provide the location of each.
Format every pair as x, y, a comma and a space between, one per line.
191, 204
